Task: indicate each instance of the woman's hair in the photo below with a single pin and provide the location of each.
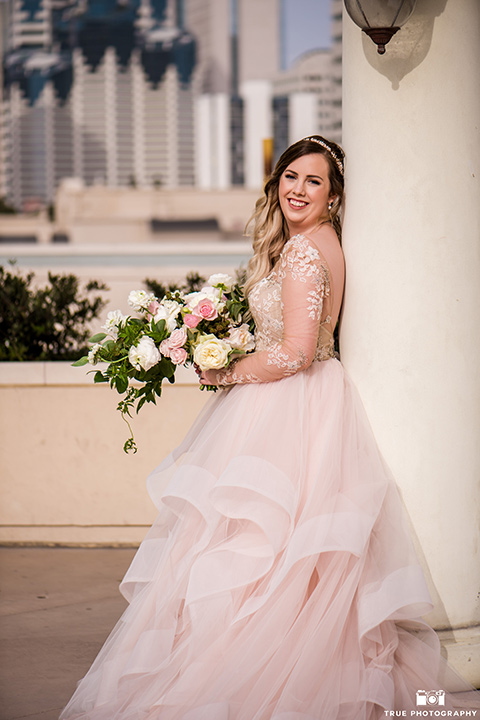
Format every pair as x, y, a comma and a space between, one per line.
270, 230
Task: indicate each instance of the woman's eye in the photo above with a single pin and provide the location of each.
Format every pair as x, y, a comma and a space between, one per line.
314, 182
289, 176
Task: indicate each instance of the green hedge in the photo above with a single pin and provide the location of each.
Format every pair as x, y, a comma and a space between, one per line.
48, 323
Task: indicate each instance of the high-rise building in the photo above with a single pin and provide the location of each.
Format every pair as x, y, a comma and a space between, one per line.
263, 102
239, 52
100, 90
335, 132
303, 99
259, 39
233, 106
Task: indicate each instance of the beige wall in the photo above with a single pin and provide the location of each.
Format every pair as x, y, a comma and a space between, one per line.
123, 214
64, 476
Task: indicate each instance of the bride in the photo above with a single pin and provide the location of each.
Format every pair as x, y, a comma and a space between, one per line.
279, 581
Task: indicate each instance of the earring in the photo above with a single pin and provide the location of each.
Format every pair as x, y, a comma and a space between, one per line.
332, 203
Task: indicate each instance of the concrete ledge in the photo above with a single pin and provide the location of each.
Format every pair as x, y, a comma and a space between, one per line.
164, 249
23, 374
462, 650
73, 535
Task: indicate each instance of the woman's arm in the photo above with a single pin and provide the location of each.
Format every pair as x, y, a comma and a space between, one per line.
305, 284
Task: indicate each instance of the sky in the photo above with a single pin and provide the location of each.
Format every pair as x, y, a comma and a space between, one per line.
308, 27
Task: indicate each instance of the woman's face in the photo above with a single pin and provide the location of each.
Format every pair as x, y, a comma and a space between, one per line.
304, 193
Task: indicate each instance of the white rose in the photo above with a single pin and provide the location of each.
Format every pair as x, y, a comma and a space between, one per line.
241, 338
221, 279
114, 319
144, 355
211, 353
93, 354
168, 311
140, 299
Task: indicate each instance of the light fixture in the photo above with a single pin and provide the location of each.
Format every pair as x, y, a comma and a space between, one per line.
380, 19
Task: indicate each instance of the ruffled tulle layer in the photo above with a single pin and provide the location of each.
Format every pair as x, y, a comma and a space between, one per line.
279, 581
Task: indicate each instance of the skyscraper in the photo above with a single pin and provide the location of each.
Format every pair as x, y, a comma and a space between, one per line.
100, 90
233, 106
335, 131
252, 100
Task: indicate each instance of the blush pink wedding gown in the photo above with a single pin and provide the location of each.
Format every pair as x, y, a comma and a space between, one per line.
279, 581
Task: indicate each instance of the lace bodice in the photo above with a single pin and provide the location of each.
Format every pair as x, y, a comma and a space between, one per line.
291, 308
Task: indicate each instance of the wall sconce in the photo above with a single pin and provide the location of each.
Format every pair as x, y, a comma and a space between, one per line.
380, 19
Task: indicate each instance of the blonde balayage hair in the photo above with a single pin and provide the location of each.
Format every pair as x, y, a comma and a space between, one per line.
268, 226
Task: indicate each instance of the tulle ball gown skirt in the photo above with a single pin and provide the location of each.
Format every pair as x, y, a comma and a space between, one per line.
279, 581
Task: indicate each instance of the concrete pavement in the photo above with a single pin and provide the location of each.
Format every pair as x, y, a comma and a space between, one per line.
57, 606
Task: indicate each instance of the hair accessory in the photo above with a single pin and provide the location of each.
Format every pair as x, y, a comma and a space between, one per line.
338, 161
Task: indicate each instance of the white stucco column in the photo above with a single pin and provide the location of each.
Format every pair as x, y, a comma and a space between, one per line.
411, 325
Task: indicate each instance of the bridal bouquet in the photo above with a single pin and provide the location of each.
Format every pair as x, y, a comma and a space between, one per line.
204, 328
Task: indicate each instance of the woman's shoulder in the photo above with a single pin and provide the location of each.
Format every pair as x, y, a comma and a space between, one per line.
301, 258
301, 248
323, 243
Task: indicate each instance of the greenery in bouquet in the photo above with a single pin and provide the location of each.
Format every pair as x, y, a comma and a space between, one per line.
205, 327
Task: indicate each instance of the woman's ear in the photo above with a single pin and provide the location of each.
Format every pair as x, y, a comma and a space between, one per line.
332, 200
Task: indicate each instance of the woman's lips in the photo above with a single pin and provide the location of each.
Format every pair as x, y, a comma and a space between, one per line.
297, 204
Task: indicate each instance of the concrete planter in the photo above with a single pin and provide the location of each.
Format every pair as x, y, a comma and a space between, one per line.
65, 478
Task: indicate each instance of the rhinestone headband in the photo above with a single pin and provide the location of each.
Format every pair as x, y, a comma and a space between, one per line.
338, 161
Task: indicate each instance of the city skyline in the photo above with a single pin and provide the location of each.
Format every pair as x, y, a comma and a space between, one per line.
307, 24
144, 93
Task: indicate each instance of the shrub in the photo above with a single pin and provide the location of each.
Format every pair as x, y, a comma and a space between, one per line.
192, 283
49, 323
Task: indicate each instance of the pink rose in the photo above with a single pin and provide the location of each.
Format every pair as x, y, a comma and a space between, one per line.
205, 310
177, 338
165, 348
178, 356
152, 307
191, 321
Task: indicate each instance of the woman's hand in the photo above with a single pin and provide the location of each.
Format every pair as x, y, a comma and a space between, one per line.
208, 377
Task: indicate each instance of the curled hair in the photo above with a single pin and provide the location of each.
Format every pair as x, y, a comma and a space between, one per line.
268, 225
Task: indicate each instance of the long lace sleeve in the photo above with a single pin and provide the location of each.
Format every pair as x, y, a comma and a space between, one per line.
304, 285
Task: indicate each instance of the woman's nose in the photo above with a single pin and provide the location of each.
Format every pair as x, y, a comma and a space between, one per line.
298, 189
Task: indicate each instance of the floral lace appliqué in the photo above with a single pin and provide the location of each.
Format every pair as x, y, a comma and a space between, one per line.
300, 262
284, 360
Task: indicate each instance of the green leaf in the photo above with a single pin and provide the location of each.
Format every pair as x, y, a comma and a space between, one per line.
212, 388
130, 446
121, 384
166, 367
97, 338
140, 404
99, 377
82, 361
